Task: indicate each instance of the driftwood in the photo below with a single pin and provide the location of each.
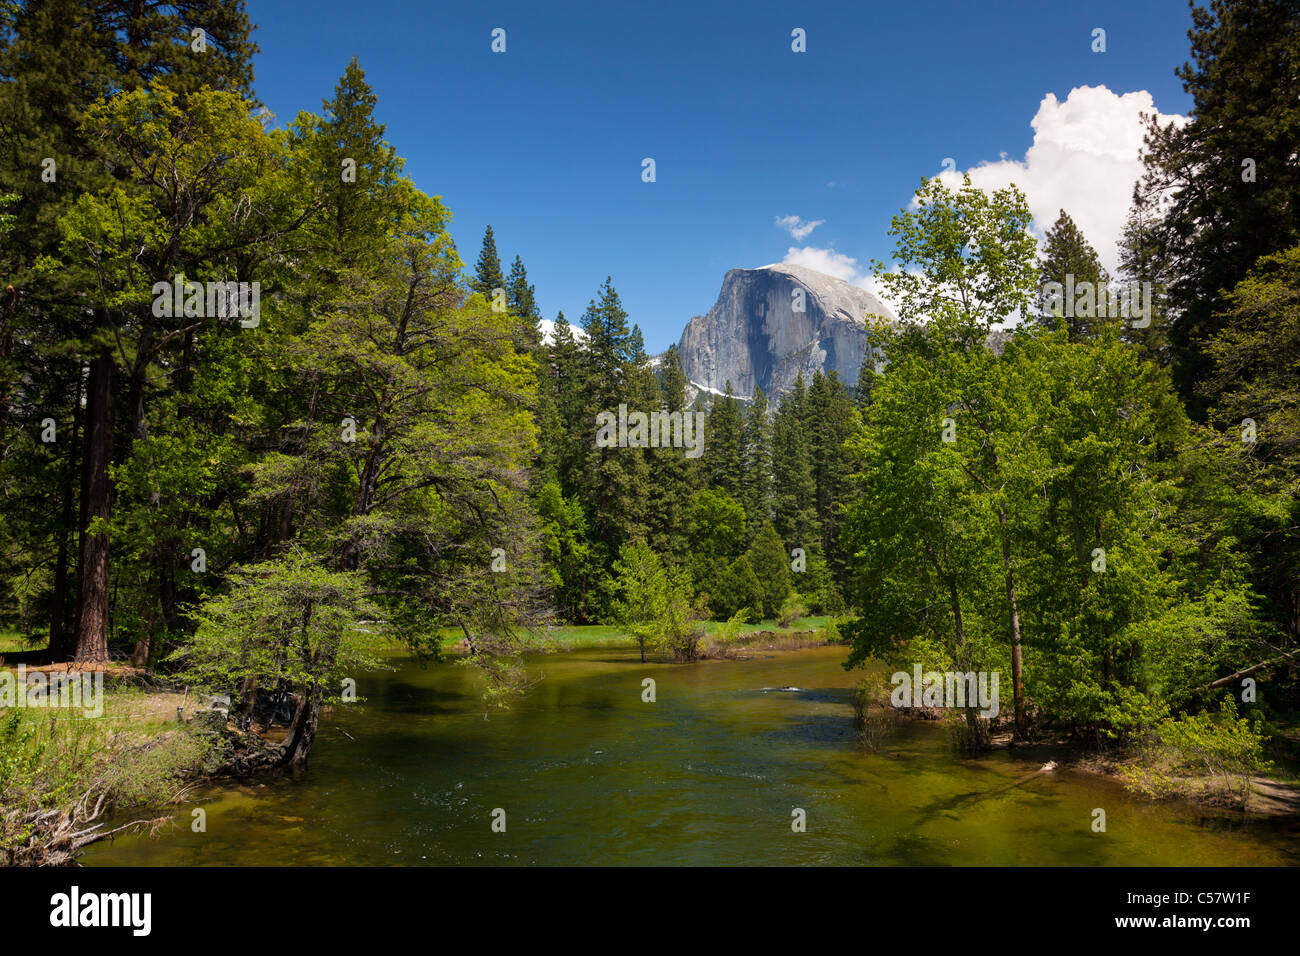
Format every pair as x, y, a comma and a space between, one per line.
1233, 678
64, 832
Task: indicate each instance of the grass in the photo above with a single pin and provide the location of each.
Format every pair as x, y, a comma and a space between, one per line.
62, 768
583, 636
12, 642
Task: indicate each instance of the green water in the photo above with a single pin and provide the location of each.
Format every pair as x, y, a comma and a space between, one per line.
708, 774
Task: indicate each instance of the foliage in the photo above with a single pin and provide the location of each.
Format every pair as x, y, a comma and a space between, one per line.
1214, 743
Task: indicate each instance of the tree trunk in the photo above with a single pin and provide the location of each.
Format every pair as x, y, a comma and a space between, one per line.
305, 722
61, 634
93, 557
1018, 692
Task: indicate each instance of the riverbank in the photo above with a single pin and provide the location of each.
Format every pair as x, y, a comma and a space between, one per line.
1269, 796
771, 635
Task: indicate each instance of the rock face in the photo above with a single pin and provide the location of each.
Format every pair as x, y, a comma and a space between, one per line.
756, 335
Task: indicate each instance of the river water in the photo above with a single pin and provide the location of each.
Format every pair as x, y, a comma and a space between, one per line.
712, 772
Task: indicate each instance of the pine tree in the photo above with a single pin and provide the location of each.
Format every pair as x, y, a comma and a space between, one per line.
1070, 262
1143, 259
568, 372
522, 303
724, 445
794, 492
487, 271
58, 59
870, 370
829, 424
1229, 174
353, 170
757, 490
671, 474
519, 294
614, 480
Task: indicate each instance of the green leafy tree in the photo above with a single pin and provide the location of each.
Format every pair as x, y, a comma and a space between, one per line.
1256, 416
289, 625
654, 603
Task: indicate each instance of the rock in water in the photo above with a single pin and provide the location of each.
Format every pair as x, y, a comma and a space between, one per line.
755, 334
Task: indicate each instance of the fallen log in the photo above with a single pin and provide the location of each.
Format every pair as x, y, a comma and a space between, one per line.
1233, 678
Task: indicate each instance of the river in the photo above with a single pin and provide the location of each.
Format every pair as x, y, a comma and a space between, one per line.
710, 773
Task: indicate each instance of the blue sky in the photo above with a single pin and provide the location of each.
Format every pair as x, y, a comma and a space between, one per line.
546, 140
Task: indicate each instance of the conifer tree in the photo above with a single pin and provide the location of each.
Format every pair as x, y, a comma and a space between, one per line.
519, 294
487, 271
1069, 261
568, 372
767, 556
613, 479
1229, 174
57, 60
1142, 260
830, 424
757, 491
671, 474
793, 490
724, 445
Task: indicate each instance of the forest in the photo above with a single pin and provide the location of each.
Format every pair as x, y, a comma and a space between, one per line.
341, 436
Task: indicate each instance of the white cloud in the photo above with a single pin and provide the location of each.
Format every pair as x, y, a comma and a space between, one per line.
841, 267
1084, 159
824, 260
799, 228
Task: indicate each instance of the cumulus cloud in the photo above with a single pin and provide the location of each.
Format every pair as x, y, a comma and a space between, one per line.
797, 227
824, 260
1085, 159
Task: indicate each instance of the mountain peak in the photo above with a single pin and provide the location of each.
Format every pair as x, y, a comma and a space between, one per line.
771, 323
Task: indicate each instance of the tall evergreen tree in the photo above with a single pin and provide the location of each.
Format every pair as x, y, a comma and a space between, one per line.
1144, 260
671, 474
757, 483
568, 371
767, 557
830, 424
794, 491
519, 294
724, 445
488, 276
522, 303
58, 59
1071, 263
614, 480
1229, 175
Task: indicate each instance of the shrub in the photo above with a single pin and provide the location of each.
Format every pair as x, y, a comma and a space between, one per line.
873, 715
1212, 744
791, 610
